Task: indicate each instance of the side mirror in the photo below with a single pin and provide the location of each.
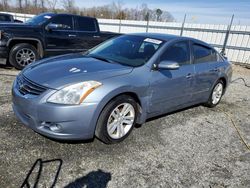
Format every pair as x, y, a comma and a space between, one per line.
52, 27
18, 21
168, 65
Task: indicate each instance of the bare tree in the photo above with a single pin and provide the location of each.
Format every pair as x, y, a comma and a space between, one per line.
20, 4
69, 5
35, 3
52, 4
42, 5
4, 4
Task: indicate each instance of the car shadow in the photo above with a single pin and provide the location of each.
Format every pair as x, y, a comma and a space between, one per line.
69, 141
167, 114
94, 179
2, 66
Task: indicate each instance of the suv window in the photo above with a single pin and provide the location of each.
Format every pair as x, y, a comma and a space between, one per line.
86, 24
5, 18
64, 22
204, 54
179, 52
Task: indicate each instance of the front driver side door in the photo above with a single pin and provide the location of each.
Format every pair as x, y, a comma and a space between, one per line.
172, 88
62, 39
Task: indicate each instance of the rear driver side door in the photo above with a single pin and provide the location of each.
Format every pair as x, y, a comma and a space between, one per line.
88, 34
207, 68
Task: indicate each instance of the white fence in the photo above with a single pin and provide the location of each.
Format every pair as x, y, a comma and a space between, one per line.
237, 48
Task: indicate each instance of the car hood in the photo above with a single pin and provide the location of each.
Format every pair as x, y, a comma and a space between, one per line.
57, 72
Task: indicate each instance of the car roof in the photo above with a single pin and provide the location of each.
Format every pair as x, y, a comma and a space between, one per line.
5, 14
68, 14
169, 37
160, 36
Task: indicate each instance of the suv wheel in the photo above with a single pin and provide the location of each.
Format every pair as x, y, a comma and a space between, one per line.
23, 54
117, 120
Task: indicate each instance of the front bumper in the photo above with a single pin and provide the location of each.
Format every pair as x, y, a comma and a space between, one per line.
63, 122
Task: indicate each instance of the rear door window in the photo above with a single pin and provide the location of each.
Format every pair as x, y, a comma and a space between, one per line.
203, 54
86, 24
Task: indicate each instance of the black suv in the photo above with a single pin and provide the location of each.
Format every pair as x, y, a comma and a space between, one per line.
46, 35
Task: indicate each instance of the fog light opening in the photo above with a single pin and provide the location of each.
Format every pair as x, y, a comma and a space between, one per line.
55, 127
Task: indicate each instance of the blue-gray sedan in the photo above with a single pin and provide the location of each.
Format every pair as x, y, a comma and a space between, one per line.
104, 92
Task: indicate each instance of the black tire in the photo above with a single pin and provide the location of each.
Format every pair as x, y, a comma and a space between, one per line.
15, 49
210, 103
101, 127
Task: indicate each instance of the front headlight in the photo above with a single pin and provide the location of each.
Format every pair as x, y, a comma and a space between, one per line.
74, 94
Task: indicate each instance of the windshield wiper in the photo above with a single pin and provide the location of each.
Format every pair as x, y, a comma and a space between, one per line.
101, 58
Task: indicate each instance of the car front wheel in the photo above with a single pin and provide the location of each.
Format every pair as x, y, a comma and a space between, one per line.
117, 120
23, 54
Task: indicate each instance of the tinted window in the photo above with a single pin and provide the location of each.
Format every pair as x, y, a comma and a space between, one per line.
5, 18
128, 49
86, 24
179, 53
64, 22
204, 54
40, 19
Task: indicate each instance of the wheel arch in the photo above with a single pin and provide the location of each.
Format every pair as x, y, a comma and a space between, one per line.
141, 117
32, 41
132, 94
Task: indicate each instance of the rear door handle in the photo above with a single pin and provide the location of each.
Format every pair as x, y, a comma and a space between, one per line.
189, 76
71, 35
96, 36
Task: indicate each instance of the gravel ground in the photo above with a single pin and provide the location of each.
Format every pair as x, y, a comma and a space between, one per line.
196, 147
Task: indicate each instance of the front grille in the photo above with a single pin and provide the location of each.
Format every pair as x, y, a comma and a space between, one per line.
26, 86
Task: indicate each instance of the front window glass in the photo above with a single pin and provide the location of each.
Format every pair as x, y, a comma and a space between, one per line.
64, 22
179, 53
128, 50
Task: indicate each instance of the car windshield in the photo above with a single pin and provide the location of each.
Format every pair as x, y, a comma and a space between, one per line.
40, 19
127, 50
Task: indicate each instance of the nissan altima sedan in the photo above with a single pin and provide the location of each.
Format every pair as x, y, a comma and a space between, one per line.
104, 92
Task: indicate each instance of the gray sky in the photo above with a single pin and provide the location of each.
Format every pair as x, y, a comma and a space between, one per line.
210, 11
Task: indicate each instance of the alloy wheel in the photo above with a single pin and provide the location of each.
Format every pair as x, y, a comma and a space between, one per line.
121, 120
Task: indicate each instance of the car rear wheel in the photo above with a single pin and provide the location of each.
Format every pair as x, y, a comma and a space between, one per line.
117, 120
216, 94
23, 54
